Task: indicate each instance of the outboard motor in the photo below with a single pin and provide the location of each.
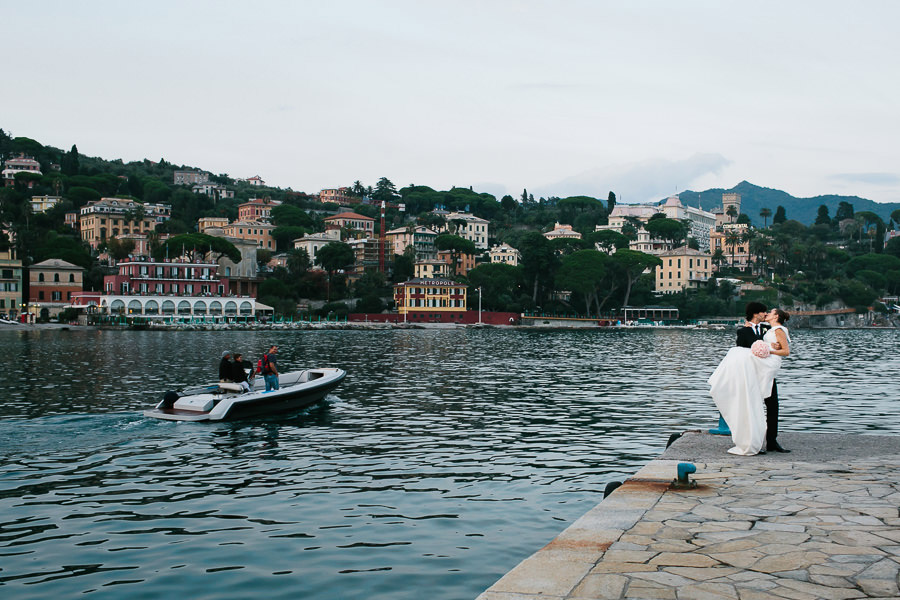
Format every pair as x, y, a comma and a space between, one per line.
169, 399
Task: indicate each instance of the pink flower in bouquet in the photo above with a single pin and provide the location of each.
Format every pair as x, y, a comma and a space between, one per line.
760, 349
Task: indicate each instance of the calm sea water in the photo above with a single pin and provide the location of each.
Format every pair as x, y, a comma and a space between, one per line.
444, 459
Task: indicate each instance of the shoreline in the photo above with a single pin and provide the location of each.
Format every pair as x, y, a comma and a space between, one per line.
381, 326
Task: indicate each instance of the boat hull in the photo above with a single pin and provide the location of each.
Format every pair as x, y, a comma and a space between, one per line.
298, 390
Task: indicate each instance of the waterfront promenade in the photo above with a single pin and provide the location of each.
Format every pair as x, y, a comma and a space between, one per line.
820, 522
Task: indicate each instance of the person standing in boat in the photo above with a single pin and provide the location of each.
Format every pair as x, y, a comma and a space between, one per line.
239, 370
270, 368
225, 366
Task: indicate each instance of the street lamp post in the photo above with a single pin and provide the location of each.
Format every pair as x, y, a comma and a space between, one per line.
479, 305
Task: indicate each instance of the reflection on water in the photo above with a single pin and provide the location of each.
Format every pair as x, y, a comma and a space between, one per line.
444, 458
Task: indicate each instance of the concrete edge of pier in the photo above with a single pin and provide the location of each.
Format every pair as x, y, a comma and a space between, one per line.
820, 522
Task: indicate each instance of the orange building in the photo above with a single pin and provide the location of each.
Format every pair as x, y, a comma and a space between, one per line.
257, 209
258, 231
51, 285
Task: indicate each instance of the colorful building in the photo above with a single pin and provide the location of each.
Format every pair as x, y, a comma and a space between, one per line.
505, 254
468, 226
19, 164
338, 196
357, 226
313, 242
258, 231
41, 204
561, 231
683, 268
10, 284
257, 209
168, 289
419, 237
51, 285
733, 244
431, 300
112, 217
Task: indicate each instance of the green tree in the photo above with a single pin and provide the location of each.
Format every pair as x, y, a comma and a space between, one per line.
119, 249
500, 285
583, 272
670, 230
632, 265
844, 211
610, 202
291, 216
892, 248
385, 191
765, 213
334, 257
606, 240
780, 216
195, 245
732, 239
69, 165
539, 262
822, 217
456, 246
732, 213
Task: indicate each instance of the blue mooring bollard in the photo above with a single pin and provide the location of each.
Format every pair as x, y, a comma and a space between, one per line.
683, 481
722, 429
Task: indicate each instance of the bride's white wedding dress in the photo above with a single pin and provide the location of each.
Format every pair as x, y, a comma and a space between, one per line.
738, 386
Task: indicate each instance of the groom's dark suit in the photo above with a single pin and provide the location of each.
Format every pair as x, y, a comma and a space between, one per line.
745, 338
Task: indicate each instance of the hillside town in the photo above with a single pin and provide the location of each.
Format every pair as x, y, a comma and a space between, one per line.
414, 255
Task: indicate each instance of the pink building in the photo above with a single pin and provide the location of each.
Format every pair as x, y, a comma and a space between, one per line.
166, 278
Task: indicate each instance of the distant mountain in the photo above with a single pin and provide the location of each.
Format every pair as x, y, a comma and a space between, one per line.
754, 198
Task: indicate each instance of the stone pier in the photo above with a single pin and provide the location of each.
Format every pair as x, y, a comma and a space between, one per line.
820, 522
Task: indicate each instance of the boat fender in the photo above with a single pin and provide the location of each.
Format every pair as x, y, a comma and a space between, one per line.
169, 399
611, 487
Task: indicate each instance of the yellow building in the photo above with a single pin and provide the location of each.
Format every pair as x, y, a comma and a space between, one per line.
432, 269
437, 300
10, 284
683, 268
112, 217
258, 231
733, 244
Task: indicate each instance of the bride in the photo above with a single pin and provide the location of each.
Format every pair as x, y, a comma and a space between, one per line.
744, 378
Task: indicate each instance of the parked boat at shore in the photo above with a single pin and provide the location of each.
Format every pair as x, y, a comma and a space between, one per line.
220, 401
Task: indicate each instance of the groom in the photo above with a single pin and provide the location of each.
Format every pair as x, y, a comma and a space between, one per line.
754, 330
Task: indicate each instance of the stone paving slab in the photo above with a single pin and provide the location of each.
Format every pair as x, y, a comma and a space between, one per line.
820, 522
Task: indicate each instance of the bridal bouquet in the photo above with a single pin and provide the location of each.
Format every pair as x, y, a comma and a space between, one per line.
760, 349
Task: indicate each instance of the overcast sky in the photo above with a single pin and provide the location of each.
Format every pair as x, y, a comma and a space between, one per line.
559, 97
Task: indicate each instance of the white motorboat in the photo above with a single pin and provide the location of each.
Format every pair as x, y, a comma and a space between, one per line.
219, 401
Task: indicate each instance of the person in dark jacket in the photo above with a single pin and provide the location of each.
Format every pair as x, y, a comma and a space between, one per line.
225, 366
239, 369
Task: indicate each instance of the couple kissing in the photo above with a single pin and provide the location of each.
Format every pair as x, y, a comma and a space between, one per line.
744, 382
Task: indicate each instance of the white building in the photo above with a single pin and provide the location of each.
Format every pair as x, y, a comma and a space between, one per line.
506, 254
561, 231
701, 222
314, 241
470, 227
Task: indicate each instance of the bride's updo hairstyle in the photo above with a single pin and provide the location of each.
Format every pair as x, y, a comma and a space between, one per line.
781, 316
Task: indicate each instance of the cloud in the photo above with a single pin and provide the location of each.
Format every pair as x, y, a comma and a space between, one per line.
870, 178
642, 181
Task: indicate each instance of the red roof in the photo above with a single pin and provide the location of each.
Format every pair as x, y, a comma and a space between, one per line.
348, 215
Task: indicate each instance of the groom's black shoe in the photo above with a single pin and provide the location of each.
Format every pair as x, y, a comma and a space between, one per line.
776, 447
